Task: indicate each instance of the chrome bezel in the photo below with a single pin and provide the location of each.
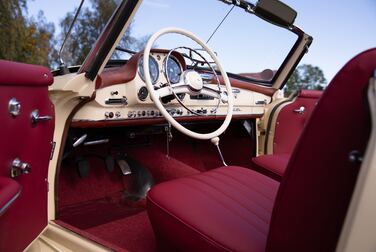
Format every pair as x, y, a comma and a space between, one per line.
139, 65
164, 65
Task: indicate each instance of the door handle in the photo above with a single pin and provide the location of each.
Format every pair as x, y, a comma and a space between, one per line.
18, 167
35, 117
300, 110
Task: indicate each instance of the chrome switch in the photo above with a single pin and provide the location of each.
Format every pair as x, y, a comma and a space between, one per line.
14, 107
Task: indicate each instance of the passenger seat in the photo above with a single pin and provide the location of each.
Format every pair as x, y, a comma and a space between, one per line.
287, 122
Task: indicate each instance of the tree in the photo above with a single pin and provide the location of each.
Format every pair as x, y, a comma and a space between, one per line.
22, 38
89, 24
305, 77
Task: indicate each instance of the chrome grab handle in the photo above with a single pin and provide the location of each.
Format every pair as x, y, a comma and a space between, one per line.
35, 117
301, 110
18, 167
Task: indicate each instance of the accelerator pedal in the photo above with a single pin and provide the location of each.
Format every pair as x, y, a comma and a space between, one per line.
124, 167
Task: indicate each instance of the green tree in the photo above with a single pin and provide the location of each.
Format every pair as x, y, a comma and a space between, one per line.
305, 77
89, 24
24, 39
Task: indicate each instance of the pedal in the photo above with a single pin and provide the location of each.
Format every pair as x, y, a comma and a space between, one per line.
110, 163
83, 167
124, 167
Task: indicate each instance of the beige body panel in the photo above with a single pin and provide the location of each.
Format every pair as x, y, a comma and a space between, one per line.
262, 134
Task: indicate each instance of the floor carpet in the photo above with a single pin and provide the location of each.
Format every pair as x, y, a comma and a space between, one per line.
96, 205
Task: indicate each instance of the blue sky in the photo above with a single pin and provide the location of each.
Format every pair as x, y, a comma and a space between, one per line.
341, 28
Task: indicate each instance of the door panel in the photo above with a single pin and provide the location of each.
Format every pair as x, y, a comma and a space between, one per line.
25, 215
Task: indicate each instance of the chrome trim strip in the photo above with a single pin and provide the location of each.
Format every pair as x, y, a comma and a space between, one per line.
10, 202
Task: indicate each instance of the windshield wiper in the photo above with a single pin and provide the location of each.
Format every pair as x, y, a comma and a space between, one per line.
121, 49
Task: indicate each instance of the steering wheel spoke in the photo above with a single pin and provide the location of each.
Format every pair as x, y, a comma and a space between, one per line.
191, 83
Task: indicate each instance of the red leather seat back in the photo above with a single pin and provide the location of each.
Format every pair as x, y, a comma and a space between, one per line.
315, 192
289, 124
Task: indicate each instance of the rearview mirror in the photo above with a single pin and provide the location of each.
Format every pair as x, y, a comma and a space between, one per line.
276, 12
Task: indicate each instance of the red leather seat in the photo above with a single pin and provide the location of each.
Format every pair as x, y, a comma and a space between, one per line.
229, 209
224, 208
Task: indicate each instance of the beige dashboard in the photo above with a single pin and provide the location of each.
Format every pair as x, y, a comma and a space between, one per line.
118, 99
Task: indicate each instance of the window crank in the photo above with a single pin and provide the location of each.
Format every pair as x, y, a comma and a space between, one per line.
18, 168
35, 117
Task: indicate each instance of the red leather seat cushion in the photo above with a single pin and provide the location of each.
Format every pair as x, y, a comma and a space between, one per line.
228, 208
276, 163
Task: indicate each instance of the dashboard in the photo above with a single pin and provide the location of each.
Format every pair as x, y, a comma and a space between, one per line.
122, 97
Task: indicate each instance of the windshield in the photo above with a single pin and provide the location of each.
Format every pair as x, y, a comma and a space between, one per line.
244, 43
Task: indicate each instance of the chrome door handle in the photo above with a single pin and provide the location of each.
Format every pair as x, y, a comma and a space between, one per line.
18, 167
300, 110
35, 117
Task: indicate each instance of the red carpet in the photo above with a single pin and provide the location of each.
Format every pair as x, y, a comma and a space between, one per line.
95, 206
133, 233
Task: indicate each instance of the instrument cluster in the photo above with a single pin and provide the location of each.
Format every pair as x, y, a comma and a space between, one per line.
161, 65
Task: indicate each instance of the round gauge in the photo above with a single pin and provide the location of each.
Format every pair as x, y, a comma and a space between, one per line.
173, 70
153, 69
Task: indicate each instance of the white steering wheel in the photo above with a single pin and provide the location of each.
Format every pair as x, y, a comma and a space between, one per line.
191, 83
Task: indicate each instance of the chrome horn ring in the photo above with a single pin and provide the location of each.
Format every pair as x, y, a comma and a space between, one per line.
193, 89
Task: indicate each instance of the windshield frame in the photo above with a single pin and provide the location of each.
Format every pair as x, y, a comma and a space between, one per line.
115, 27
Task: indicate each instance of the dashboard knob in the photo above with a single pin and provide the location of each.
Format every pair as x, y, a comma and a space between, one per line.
109, 114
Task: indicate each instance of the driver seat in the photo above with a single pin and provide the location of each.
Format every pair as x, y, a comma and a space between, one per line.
237, 209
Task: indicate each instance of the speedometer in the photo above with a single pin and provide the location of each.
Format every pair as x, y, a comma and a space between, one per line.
173, 70
153, 69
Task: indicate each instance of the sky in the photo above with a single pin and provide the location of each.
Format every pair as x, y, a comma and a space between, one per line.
340, 28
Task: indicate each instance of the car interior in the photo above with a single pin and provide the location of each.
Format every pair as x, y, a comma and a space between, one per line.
167, 151
263, 202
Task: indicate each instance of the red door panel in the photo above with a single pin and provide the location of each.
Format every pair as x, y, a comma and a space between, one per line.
25, 195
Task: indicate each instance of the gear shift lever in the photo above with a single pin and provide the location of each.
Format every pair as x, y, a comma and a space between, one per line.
215, 141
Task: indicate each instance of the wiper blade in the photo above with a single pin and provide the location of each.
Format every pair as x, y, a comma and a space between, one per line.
121, 49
